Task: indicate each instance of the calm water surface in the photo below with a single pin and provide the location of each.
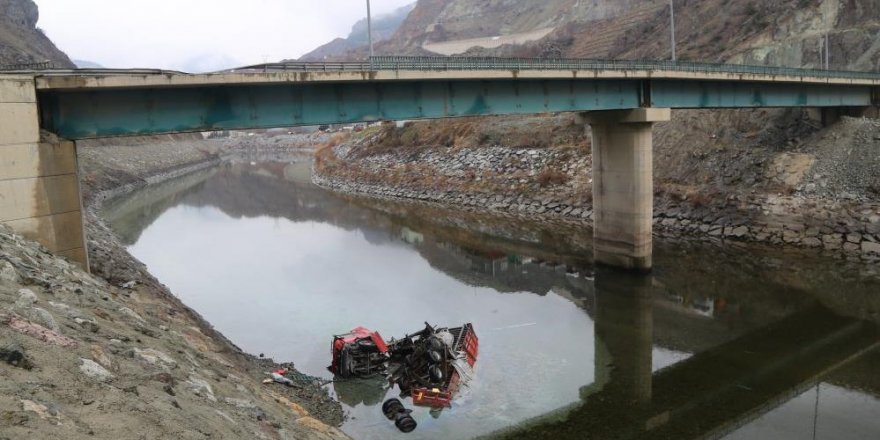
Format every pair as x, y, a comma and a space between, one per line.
719, 341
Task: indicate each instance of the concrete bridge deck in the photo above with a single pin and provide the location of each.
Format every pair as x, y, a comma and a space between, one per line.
624, 98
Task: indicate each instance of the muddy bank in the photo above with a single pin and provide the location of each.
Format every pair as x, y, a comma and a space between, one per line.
115, 355
818, 195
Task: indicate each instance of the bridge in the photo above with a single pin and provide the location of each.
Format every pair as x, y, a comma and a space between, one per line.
621, 100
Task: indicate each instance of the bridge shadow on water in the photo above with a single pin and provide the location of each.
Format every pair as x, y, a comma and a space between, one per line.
756, 327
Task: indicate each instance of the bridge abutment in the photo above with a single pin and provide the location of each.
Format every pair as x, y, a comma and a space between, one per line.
623, 186
830, 115
39, 181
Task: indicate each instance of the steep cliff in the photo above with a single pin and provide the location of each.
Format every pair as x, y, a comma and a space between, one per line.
21, 41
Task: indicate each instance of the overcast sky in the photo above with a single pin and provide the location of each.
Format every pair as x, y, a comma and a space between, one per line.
195, 35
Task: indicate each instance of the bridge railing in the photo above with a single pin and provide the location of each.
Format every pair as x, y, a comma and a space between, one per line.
438, 63
42, 65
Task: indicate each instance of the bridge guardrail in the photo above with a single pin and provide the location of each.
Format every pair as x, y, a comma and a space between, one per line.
43, 65
425, 63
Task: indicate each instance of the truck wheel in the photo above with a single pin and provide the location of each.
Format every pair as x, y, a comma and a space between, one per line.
405, 423
392, 407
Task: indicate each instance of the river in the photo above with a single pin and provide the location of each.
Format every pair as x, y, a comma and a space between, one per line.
720, 341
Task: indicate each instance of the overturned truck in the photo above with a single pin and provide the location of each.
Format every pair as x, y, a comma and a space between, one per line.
430, 365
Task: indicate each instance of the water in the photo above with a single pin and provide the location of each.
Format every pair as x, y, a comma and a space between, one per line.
743, 342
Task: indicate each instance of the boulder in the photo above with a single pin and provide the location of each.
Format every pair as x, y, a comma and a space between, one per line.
95, 371
869, 248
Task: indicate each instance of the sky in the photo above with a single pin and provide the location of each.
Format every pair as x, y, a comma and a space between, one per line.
198, 35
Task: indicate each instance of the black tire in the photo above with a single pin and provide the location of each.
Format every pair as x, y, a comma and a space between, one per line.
345, 363
436, 374
405, 423
392, 407
434, 343
433, 356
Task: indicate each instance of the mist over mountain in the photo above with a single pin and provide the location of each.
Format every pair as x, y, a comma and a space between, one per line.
85, 64
209, 62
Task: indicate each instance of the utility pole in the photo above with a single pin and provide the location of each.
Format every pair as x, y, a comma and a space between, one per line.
827, 52
370, 33
672, 26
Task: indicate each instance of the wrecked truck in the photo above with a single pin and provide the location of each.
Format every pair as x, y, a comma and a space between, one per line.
429, 365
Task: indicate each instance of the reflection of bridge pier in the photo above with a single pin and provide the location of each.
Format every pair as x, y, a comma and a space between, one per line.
624, 332
711, 393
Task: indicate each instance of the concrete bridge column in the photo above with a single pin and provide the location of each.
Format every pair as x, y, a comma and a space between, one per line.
623, 186
39, 186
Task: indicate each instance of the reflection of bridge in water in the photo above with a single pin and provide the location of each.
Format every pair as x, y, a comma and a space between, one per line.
754, 346
709, 394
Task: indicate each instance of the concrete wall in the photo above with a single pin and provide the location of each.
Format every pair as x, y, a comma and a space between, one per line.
39, 188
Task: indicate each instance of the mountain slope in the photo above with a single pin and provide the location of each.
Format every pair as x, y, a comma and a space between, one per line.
784, 33
21, 41
384, 26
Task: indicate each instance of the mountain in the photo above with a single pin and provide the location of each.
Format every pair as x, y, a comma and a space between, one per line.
208, 62
84, 64
21, 41
783, 33
384, 26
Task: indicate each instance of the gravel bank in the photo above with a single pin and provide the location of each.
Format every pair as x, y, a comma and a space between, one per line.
789, 200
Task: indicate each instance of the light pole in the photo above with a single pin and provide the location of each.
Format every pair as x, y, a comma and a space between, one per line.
827, 52
370, 33
671, 26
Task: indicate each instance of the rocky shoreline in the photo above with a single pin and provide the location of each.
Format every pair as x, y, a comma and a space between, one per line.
848, 229
115, 355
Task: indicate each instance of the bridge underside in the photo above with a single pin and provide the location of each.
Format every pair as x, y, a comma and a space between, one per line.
41, 193
77, 114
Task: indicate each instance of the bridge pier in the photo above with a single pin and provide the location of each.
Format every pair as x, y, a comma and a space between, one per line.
39, 184
623, 186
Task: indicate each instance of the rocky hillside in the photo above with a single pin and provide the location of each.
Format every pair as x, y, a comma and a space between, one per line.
446, 27
83, 358
21, 41
785, 32
384, 27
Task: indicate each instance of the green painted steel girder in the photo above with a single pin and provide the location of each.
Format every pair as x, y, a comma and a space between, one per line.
88, 114
78, 114
735, 94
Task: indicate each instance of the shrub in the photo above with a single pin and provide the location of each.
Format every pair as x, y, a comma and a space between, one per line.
549, 176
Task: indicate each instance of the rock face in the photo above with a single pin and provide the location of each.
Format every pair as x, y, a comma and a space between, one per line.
21, 41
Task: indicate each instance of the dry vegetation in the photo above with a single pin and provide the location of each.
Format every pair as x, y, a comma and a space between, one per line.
509, 131
549, 176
